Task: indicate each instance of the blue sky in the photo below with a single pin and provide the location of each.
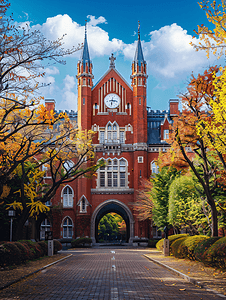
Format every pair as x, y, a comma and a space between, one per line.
166, 30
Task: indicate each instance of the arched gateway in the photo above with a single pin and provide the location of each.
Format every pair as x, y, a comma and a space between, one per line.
112, 206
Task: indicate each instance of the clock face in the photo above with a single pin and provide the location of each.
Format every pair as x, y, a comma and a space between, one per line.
112, 100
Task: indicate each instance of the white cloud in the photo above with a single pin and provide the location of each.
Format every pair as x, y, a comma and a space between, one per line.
169, 54
52, 71
93, 21
60, 25
69, 97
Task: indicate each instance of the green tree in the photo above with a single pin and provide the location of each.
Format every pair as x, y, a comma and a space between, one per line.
185, 205
108, 227
155, 198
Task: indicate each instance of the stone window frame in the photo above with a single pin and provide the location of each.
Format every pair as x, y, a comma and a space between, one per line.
67, 198
140, 159
67, 226
154, 167
44, 226
112, 134
119, 173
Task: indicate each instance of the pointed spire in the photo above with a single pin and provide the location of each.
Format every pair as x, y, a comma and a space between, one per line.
139, 53
85, 54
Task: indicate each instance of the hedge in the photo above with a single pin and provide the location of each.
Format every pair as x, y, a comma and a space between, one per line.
15, 253
187, 246
201, 247
81, 242
216, 254
174, 249
171, 238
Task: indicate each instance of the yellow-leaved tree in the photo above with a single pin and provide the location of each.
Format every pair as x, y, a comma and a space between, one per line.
33, 139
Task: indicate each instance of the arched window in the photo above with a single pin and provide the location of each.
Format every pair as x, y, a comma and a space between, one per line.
114, 174
154, 167
67, 197
45, 226
67, 228
112, 136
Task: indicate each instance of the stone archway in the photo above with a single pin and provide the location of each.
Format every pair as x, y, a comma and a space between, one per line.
112, 206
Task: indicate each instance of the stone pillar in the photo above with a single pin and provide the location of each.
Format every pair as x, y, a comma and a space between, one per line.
166, 247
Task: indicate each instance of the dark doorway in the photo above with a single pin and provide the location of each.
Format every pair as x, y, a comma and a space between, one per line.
113, 208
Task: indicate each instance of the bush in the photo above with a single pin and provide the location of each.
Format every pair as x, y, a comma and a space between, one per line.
202, 247
171, 238
174, 248
81, 242
186, 248
152, 243
24, 251
10, 255
216, 254
57, 246
44, 247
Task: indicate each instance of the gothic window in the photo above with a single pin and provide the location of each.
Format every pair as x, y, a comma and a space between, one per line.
84, 81
139, 81
166, 134
135, 81
101, 137
154, 167
67, 197
139, 101
112, 133
84, 101
45, 226
114, 174
67, 228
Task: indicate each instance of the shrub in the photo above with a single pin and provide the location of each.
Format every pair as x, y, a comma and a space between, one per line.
216, 254
152, 243
186, 248
57, 246
176, 245
202, 247
78, 243
44, 247
24, 251
171, 238
12, 254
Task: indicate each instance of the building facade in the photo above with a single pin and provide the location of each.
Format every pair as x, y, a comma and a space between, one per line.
128, 137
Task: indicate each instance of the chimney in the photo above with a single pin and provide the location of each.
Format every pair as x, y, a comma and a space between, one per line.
50, 104
173, 107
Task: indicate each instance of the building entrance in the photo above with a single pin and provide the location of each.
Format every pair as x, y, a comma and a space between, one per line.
117, 207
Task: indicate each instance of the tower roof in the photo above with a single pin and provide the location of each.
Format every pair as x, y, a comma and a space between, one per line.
139, 53
85, 54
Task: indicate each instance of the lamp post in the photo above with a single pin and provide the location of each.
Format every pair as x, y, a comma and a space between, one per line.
11, 214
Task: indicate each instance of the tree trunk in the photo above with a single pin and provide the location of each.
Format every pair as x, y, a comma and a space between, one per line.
18, 231
214, 219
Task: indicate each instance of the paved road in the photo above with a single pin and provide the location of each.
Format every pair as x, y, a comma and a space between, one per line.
108, 274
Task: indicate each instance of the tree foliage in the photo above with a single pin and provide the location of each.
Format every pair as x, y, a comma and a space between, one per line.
32, 138
185, 205
185, 138
212, 40
153, 198
111, 226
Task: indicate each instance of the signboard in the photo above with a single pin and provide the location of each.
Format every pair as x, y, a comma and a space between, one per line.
48, 235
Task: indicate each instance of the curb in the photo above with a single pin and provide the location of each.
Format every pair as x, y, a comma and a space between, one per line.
186, 277
32, 273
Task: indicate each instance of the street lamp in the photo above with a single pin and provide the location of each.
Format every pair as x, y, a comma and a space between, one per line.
11, 214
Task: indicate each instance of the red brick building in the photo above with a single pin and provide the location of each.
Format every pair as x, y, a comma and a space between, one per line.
128, 137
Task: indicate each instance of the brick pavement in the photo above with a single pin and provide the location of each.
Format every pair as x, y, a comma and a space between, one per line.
103, 274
